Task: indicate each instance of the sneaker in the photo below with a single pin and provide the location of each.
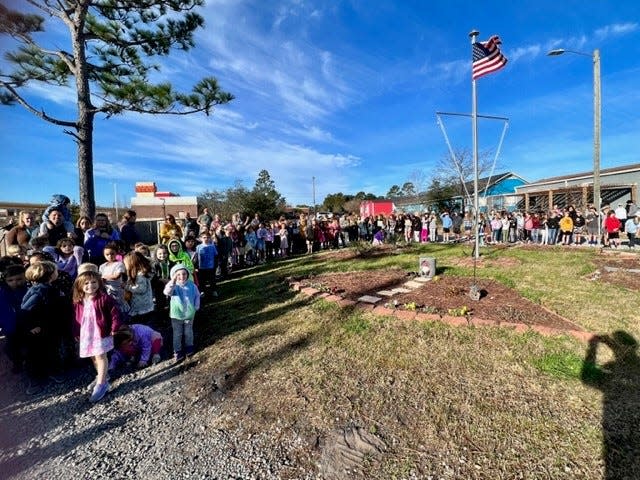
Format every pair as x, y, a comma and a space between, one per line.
189, 352
155, 359
178, 357
99, 391
92, 385
34, 387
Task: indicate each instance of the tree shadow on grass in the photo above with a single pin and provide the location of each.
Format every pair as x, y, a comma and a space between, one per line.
243, 304
619, 382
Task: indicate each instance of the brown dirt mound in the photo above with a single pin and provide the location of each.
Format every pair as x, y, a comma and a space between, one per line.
446, 295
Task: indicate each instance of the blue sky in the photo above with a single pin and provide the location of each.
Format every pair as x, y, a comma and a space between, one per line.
346, 92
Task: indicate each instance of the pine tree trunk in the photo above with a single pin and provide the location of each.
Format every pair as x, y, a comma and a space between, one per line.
86, 113
85, 164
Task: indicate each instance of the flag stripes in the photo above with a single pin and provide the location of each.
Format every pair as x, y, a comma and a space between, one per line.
487, 57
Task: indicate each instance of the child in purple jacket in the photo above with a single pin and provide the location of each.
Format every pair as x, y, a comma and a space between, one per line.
138, 343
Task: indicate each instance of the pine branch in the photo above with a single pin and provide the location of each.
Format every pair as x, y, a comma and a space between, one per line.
38, 113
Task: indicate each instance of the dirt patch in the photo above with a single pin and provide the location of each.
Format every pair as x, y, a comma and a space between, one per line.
618, 268
445, 295
353, 285
365, 251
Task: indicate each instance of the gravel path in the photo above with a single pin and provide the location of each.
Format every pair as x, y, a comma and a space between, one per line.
149, 426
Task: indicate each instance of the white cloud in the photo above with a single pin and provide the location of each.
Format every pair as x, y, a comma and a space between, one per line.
616, 29
527, 52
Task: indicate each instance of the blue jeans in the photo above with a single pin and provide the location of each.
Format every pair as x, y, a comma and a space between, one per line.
182, 328
553, 235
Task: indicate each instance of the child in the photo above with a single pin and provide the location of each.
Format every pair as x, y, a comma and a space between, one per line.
160, 278
190, 244
433, 227
185, 300
284, 240
17, 251
66, 256
138, 285
206, 258
261, 235
378, 237
177, 255
136, 343
268, 241
44, 311
113, 274
13, 288
251, 240
97, 317
225, 248
143, 249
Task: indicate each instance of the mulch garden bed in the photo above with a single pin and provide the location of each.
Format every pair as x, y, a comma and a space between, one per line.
445, 295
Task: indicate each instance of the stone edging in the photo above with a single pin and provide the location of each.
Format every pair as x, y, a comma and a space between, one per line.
581, 335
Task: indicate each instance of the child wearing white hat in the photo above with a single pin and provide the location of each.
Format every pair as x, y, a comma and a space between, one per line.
184, 302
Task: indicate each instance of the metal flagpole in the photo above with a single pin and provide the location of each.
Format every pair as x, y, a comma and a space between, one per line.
474, 293
474, 122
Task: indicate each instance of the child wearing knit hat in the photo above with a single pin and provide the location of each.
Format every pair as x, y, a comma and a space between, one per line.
183, 304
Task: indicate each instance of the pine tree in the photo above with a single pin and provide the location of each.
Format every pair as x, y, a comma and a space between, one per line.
108, 64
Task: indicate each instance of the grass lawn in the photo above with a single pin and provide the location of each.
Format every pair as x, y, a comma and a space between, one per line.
447, 402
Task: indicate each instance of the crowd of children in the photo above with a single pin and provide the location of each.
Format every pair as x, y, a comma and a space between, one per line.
56, 306
111, 301
50, 316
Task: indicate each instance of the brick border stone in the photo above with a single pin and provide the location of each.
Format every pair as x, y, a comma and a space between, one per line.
381, 309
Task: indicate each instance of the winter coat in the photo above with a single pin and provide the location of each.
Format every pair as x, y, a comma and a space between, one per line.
180, 256
44, 307
10, 312
108, 316
141, 301
185, 299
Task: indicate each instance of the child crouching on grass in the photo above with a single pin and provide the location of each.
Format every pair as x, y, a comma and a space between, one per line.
183, 304
97, 317
135, 343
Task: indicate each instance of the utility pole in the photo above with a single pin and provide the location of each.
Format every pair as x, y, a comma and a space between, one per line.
597, 120
115, 200
313, 183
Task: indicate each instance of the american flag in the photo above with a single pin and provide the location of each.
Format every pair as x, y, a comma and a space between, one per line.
487, 57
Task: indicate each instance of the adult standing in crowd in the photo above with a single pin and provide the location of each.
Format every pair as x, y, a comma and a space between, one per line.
632, 229
191, 226
204, 220
54, 228
22, 233
128, 233
621, 215
96, 238
169, 229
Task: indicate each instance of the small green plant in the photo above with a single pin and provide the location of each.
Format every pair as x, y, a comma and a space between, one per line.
429, 309
410, 306
459, 312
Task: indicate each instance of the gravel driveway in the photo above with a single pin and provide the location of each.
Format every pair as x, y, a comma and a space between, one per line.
146, 427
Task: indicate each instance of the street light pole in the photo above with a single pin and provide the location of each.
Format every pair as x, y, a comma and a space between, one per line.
597, 118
